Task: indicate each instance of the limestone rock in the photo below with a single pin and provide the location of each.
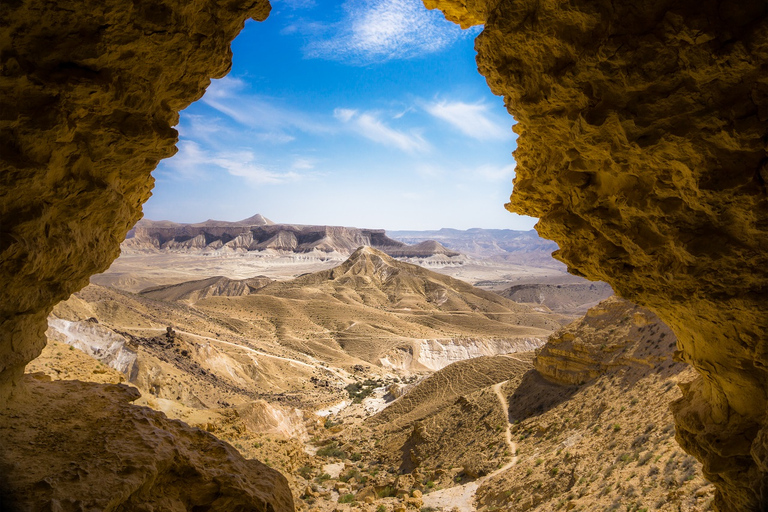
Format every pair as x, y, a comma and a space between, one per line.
70, 445
612, 335
642, 150
89, 92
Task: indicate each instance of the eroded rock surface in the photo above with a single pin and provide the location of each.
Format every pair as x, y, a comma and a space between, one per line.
642, 150
89, 92
614, 334
70, 445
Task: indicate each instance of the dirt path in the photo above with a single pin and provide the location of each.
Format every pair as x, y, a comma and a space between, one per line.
462, 497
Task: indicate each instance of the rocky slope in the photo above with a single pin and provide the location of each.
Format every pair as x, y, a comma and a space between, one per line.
583, 425
218, 286
596, 431
563, 298
140, 457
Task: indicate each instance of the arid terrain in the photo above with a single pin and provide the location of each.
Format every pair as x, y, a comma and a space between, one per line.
375, 384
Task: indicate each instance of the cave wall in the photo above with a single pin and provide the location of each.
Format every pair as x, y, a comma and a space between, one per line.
89, 93
642, 149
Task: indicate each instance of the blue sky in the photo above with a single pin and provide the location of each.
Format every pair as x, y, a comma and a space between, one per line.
367, 113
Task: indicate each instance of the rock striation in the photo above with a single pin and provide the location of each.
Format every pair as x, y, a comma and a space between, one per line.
260, 234
612, 335
642, 150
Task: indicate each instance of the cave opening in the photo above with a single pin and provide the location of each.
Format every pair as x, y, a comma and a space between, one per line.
629, 116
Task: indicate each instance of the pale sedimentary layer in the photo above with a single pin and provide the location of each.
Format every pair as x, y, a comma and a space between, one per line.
642, 150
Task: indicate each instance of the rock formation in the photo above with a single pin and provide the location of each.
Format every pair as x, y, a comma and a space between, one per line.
71, 445
642, 151
614, 334
89, 92
260, 234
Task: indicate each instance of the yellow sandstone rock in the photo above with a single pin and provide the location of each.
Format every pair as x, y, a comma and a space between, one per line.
642, 150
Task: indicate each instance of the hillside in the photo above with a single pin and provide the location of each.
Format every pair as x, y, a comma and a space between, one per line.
217, 286
233, 341
567, 298
582, 425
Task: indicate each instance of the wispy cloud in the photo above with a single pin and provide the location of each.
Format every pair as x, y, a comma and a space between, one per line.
372, 128
196, 163
494, 172
472, 119
272, 121
382, 30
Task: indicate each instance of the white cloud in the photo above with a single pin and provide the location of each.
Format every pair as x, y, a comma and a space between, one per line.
494, 172
195, 163
371, 127
344, 114
228, 96
472, 119
303, 164
382, 30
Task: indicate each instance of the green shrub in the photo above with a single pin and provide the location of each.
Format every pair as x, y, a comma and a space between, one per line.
332, 450
347, 498
386, 492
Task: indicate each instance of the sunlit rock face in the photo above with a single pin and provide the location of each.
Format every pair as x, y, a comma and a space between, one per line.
89, 92
642, 148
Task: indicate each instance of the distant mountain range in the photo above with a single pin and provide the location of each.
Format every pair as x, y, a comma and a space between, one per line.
523, 247
258, 233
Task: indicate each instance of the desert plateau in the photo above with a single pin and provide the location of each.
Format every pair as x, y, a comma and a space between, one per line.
373, 383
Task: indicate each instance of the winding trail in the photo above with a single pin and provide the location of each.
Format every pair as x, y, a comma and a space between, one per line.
462, 497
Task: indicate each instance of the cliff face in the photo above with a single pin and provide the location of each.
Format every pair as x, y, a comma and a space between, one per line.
642, 150
614, 334
213, 235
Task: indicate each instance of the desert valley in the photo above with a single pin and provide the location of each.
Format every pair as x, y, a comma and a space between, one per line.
390, 371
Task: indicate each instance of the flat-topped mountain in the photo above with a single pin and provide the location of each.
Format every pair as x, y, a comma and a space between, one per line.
258, 233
